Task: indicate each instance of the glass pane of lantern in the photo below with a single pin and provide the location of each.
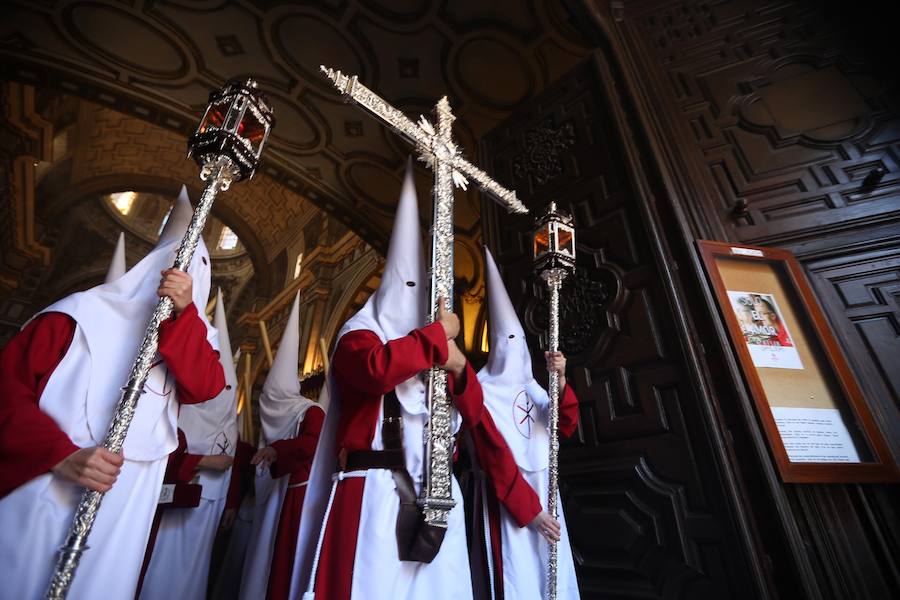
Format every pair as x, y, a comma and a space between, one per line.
234, 115
542, 240
215, 116
252, 130
566, 240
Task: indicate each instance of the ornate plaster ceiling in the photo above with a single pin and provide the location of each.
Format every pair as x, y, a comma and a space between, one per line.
158, 61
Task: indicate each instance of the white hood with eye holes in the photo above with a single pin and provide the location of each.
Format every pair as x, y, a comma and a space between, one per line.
516, 401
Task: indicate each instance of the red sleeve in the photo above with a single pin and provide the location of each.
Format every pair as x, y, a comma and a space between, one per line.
467, 396
31, 443
190, 358
493, 454
568, 412
497, 461
297, 452
363, 362
242, 455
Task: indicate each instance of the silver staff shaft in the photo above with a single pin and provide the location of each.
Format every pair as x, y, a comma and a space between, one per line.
437, 494
219, 175
554, 279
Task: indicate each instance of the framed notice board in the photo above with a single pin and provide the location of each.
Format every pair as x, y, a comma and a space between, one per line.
818, 424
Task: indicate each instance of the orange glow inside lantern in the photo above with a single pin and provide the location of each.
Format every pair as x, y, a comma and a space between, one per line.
252, 130
542, 240
215, 116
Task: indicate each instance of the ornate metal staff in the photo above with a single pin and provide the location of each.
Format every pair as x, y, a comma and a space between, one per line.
436, 149
227, 146
554, 259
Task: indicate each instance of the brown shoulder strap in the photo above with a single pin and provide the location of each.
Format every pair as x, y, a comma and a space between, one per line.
392, 439
392, 423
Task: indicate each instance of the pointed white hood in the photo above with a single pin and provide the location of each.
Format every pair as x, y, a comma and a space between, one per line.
112, 318
211, 427
400, 303
515, 400
281, 406
117, 266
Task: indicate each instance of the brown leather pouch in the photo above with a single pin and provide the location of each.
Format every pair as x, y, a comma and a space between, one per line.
416, 540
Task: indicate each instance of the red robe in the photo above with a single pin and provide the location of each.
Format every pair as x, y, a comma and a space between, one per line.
295, 458
239, 474
364, 370
31, 443
568, 422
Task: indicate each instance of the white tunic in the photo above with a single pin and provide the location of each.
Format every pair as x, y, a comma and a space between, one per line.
378, 574
111, 566
179, 565
525, 553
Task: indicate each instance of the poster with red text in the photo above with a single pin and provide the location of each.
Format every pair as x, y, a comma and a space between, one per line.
765, 331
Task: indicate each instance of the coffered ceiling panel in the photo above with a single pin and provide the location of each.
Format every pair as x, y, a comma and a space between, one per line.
158, 61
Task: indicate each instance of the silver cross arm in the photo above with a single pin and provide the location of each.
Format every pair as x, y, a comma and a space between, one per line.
423, 136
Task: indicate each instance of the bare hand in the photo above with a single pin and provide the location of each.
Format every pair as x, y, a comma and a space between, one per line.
456, 360
94, 468
448, 320
556, 361
228, 517
547, 526
267, 455
216, 462
178, 286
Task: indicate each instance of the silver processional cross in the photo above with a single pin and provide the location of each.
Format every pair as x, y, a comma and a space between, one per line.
435, 147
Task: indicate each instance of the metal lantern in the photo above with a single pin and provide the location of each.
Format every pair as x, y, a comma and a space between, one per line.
554, 259
236, 125
554, 241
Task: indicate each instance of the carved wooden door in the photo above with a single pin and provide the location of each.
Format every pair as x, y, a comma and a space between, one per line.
647, 511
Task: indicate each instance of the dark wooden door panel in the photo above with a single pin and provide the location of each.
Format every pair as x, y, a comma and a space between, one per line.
861, 292
642, 493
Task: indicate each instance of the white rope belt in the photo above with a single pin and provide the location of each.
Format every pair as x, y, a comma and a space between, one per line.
297, 485
336, 478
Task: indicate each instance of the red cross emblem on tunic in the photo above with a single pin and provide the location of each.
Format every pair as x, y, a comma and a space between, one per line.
523, 409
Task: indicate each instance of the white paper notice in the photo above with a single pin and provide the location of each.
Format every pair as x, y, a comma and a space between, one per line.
765, 332
815, 435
